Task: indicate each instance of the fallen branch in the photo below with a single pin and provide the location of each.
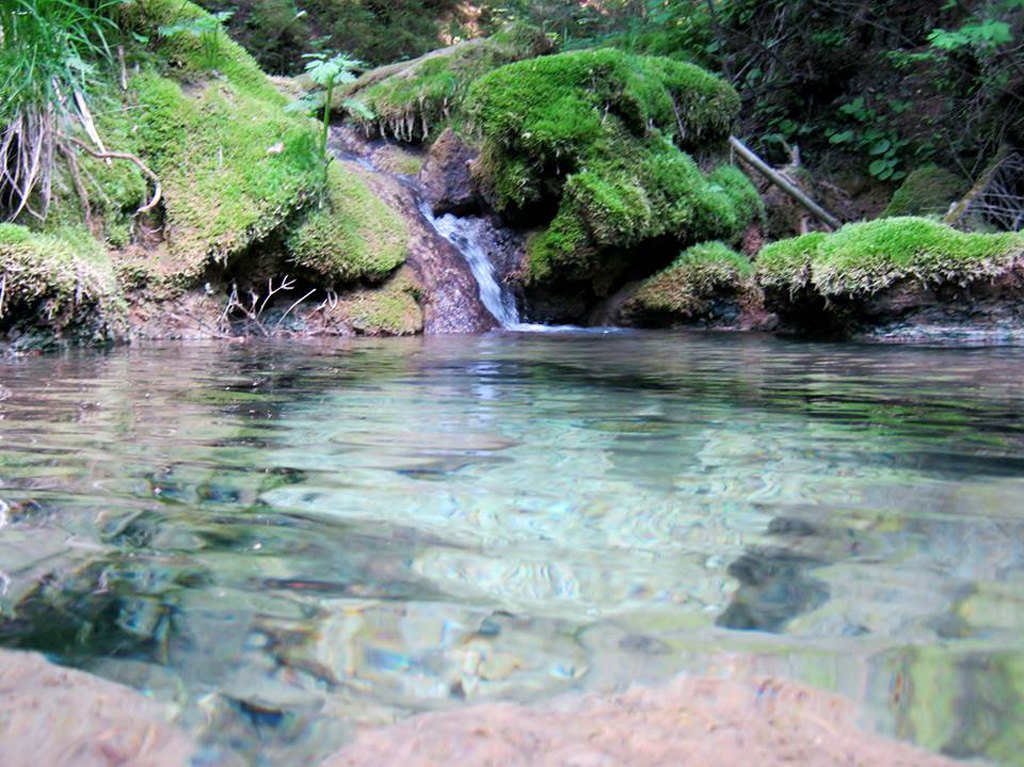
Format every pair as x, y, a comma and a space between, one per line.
772, 175
157, 189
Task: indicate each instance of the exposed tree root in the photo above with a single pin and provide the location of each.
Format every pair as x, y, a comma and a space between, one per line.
157, 189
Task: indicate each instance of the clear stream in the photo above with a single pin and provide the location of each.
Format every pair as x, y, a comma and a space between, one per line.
283, 540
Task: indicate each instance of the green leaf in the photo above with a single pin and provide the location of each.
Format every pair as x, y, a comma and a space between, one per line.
842, 138
878, 167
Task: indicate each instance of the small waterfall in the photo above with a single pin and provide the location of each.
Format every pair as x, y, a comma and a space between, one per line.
467, 234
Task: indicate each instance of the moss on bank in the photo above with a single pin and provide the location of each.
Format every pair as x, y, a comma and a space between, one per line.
686, 289
599, 135
351, 236
865, 258
63, 279
392, 309
414, 101
237, 173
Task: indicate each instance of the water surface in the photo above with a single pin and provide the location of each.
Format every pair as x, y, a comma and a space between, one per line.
287, 541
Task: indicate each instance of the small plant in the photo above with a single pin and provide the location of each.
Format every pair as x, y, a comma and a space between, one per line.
874, 135
207, 29
329, 72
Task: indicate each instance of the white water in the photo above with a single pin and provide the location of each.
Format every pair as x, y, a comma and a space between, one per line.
467, 234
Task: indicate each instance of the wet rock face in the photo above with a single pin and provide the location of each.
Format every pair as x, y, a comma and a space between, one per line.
447, 183
983, 312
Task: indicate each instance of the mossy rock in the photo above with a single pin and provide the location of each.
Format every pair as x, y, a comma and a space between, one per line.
690, 288
865, 258
415, 101
62, 281
927, 191
393, 309
192, 53
599, 136
234, 167
352, 236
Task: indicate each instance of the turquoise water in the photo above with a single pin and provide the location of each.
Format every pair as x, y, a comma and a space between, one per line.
287, 541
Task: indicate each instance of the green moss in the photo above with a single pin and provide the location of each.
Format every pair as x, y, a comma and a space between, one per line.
864, 258
233, 166
193, 53
786, 264
62, 279
392, 309
927, 191
602, 134
419, 100
684, 290
352, 236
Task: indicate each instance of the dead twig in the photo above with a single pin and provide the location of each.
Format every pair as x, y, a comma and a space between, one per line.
289, 309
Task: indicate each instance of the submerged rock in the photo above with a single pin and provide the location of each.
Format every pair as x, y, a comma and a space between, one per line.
64, 718
766, 722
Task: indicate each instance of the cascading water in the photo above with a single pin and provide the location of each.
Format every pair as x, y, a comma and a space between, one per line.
467, 235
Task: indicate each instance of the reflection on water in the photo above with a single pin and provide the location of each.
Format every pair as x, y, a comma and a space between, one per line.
292, 541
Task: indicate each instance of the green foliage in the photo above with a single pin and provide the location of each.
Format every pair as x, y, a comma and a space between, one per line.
599, 133
353, 236
380, 31
893, 85
927, 191
51, 48
185, 56
865, 258
49, 52
873, 136
60, 277
684, 291
207, 29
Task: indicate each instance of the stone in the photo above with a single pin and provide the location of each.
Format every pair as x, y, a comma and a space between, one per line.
445, 177
60, 717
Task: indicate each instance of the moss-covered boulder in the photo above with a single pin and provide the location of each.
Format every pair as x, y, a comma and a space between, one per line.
927, 191
62, 282
246, 196
591, 145
707, 284
351, 236
874, 271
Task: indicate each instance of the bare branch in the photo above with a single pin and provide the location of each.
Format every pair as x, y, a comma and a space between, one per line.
157, 189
